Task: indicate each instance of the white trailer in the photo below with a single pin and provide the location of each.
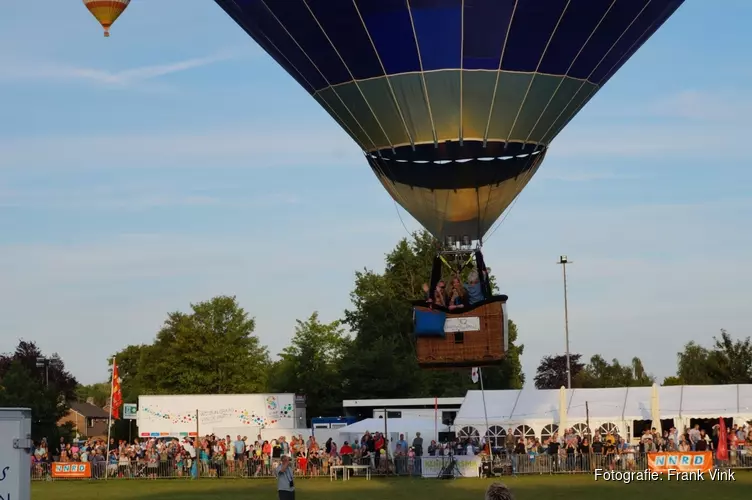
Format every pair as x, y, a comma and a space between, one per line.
16, 447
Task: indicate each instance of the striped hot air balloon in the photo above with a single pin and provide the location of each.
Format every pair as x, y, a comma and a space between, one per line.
453, 102
106, 11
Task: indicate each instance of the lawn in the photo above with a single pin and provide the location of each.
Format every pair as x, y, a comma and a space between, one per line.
576, 487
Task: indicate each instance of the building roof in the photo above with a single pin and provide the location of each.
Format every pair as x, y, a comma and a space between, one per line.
88, 410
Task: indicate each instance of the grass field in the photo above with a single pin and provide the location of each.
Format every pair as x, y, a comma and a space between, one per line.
576, 487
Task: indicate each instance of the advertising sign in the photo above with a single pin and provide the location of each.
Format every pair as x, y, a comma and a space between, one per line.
467, 466
130, 411
681, 461
71, 470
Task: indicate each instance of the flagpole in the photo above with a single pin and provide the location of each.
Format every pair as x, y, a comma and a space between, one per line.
485, 415
436, 418
109, 422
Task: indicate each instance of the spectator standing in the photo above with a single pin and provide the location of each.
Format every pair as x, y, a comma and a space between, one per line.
418, 449
285, 480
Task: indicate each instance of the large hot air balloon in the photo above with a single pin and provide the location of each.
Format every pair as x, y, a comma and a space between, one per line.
106, 11
453, 102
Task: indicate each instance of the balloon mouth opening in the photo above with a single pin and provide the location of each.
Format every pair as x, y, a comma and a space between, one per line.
468, 167
454, 152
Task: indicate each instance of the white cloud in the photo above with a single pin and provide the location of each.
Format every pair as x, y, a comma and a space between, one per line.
242, 146
17, 70
128, 198
707, 106
566, 175
300, 143
645, 280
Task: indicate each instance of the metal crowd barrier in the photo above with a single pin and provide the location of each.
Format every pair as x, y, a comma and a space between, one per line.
503, 463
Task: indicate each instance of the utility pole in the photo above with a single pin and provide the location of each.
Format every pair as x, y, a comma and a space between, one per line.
564, 261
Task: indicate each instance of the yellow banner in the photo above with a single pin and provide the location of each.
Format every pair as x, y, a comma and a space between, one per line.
681, 461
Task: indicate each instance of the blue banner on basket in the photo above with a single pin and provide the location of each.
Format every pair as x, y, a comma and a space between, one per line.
429, 323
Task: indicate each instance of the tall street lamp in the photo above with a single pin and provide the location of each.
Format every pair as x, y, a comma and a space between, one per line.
564, 261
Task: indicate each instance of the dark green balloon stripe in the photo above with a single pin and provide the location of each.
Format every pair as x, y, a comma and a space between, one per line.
449, 105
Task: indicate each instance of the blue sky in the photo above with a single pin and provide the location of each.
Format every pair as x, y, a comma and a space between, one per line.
175, 161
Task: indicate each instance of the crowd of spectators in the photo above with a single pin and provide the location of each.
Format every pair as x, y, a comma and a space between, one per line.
571, 451
216, 456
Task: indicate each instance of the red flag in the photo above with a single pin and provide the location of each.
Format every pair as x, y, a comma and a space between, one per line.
722, 452
117, 395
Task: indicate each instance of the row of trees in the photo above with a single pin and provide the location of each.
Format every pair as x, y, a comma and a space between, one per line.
28, 379
213, 349
727, 361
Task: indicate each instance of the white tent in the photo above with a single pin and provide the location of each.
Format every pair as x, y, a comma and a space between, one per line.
409, 427
403, 425
536, 412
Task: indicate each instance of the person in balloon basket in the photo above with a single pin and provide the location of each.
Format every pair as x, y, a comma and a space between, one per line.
285, 481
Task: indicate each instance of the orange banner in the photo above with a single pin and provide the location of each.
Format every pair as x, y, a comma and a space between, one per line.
681, 461
71, 470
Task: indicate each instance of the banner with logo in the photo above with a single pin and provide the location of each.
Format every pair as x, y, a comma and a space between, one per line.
467, 466
67, 470
681, 461
130, 411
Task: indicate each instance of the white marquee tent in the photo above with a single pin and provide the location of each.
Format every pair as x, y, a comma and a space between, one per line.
409, 427
533, 412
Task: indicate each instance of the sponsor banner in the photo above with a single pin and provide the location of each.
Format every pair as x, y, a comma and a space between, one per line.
681, 461
462, 324
74, 470
167, 434
130, 411
468, 466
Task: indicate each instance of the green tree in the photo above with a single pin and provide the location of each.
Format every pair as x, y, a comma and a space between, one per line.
212, 350
311, 365
672, 380
381, 361
728, 361
99, 393
552, 371
45, 391
129, 361
599, 373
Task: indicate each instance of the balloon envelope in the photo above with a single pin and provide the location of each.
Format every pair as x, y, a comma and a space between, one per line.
106, 11
454, 102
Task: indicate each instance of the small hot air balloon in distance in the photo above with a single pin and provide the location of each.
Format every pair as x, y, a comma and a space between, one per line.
106, 11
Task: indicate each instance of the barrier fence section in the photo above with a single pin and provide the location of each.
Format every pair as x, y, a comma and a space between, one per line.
428, 467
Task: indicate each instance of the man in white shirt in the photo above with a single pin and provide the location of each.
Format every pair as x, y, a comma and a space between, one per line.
285, 482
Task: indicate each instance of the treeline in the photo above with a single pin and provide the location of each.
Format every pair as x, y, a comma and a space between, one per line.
214, 349
726, 361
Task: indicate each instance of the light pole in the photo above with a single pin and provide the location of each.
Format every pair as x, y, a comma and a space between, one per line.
43, 362
564, 261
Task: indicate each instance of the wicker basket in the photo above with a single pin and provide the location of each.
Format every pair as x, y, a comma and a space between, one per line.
471, 348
